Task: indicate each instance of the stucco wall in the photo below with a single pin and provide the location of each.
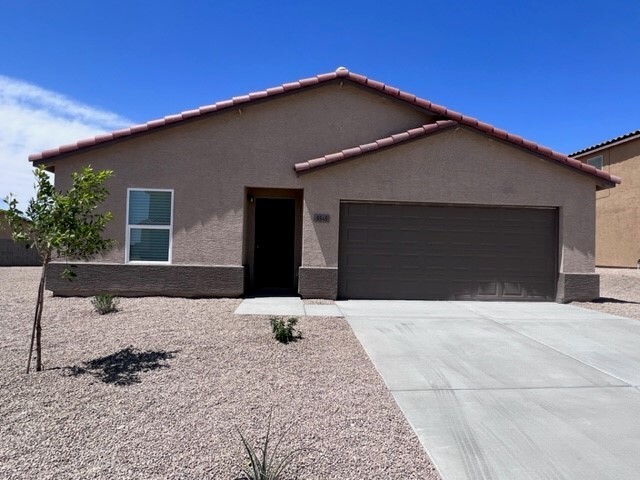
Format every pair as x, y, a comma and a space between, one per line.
5, 231
618, 209
209, 163
14, 254
458, 166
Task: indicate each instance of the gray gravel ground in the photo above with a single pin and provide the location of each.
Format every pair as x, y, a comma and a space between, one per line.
619, 292
207, 371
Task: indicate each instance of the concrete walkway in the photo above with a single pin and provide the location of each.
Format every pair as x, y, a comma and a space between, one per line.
510, 390
287, 306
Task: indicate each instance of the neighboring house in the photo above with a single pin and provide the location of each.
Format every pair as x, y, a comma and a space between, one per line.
336, 186
13, 254
617, 210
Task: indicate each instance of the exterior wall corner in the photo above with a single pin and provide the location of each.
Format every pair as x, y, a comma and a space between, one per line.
318, 282
576, 287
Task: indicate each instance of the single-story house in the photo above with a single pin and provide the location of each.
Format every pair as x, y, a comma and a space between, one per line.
617, 210
336, 186
13, 254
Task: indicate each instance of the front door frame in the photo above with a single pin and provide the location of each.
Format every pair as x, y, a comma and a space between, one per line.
249, 241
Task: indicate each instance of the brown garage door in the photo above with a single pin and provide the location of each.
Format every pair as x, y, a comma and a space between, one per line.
442, 252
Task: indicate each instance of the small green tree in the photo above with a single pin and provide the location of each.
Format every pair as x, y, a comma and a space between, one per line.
61, 225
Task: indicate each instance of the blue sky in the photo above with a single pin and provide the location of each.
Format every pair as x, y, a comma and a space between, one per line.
564, 74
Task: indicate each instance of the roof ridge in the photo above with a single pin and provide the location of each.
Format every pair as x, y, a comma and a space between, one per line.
379, 144
340, 73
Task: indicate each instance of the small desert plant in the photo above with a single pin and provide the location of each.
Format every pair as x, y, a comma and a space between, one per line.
285, 332
104, 304
265, 466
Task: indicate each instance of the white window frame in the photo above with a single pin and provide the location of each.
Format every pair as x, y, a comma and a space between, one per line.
597, 157
150, 227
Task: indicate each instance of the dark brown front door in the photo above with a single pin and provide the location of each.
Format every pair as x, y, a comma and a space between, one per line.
442, 252
274, 255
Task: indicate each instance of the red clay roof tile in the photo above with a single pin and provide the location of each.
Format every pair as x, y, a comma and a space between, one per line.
385, 142
255, 95
342, 73
374, 84
391, 90
377, 145
155, 123
514, 138
67, 148
407, 97
241, 99
498, 132
308, 81
469, 121
574, 163
356, 77
108, 136
484, 127
454, 115
439, 109
399, 137
350, 152
421, 102
91, 141
414, 132
210, 108
323, 77
367, 147
191, 113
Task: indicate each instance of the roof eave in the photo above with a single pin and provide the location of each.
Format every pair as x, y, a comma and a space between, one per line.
49, 157
601, 182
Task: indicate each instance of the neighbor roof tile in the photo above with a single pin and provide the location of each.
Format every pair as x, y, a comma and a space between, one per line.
598, 146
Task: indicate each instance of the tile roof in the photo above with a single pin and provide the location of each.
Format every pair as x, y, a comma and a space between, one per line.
597, 146
340, 73
401, 137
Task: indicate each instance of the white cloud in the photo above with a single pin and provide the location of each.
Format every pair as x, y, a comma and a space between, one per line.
33, 119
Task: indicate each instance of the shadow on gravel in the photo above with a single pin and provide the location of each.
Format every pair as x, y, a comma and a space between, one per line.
613, 300
124, 367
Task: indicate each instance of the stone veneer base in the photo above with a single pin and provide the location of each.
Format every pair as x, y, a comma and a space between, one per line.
148, 280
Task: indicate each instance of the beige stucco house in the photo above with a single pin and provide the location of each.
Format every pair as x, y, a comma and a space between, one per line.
337, 186
13, 254
618, 209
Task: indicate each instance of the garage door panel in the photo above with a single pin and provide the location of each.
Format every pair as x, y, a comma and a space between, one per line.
356, 234
443, 252
357, 210
512, 288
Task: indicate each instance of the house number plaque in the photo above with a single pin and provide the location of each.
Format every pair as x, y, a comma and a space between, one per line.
321, 217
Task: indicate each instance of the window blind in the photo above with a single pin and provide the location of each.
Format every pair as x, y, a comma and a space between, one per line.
149, 208
149, 227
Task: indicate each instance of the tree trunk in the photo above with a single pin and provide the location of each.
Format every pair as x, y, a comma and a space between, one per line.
36, 332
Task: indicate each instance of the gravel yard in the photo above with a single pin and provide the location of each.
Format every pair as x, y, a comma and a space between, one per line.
195, 372
619, 292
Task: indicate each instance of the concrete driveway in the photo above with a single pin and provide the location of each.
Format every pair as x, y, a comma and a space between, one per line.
511, 390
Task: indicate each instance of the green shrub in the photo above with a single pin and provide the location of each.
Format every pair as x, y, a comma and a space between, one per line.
285, 332
265, 466
104, 304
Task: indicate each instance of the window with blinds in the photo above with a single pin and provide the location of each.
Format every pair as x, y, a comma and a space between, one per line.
149, 225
